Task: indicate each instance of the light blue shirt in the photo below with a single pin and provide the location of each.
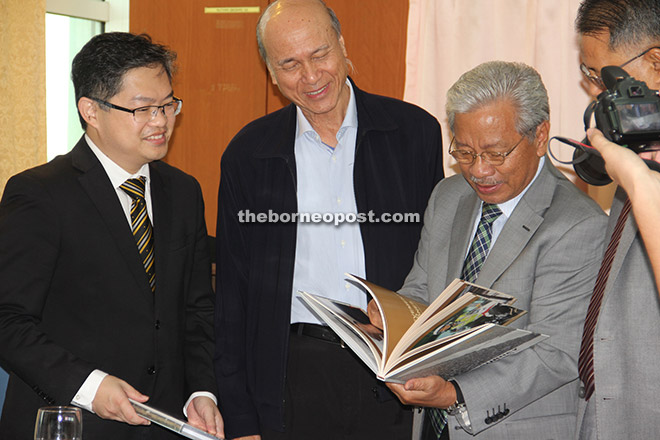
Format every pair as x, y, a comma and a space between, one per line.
325, 251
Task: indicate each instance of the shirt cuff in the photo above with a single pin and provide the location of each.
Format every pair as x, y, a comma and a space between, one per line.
85, 395
198, 394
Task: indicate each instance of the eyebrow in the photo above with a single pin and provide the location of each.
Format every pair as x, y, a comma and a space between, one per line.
147, 99
462, 145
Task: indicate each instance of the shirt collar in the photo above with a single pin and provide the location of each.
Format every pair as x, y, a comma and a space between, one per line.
116, 173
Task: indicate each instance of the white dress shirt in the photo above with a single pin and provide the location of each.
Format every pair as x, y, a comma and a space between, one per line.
87, 392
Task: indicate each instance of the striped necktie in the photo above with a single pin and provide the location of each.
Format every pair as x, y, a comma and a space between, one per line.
141, 226
473, 262
586, 358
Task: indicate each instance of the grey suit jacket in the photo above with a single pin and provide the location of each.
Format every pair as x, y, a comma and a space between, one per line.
625, 403
547, 256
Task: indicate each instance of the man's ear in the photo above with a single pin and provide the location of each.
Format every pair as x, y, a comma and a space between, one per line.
542, 133
653, 56
88, 109
343, 46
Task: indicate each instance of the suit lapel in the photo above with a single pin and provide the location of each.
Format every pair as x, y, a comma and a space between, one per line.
520, 227
627, 237
466, 212
161, 200
97, 185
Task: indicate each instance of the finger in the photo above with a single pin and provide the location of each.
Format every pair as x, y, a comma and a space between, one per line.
132, 393
129, 415
219, 426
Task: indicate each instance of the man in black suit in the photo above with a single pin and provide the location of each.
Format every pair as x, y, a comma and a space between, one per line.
87, 317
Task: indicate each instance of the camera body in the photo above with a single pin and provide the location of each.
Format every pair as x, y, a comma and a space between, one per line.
627, 113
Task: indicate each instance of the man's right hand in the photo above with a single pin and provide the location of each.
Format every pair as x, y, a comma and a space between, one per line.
111, 401
249, 437
374, 314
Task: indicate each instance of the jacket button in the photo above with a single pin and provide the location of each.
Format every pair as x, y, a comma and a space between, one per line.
151, 370
157, 324
582, 392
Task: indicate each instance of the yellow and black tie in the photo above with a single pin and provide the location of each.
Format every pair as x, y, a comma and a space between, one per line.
141, 226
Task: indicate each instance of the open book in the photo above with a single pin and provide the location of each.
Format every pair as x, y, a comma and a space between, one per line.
464, 328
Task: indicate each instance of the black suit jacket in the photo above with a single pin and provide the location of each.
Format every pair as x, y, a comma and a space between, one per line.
398, 161
74, 296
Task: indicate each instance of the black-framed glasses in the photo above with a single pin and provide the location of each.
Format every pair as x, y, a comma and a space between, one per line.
467, 157
148, 112
590, 74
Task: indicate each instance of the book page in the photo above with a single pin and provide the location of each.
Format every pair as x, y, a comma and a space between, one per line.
486, 344
398, 313
365, 341
456, 289
462, 306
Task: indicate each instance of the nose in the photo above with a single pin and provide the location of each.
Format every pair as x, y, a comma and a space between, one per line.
160, 118
310, 73
480, 168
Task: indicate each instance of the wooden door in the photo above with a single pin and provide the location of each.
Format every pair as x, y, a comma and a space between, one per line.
223, 83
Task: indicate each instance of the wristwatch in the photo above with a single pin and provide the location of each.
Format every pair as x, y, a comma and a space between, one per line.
459, 410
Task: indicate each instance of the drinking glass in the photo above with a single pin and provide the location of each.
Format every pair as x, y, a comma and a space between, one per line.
58, 423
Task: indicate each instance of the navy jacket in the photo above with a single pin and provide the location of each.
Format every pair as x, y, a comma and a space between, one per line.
398, 162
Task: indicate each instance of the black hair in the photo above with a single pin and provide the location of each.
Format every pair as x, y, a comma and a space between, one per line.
98, 69
630, 23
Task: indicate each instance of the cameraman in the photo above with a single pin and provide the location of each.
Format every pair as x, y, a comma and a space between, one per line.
619, 355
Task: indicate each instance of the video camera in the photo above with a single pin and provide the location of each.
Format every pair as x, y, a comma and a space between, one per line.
628, 114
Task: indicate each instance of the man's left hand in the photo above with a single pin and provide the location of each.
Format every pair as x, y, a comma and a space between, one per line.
205, 415
431, 391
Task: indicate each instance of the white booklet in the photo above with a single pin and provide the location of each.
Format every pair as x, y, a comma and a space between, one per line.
171, 423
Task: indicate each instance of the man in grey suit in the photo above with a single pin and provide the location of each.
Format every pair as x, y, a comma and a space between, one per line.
620, 399
545, 248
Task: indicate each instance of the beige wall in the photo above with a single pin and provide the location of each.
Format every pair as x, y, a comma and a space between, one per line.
22, 86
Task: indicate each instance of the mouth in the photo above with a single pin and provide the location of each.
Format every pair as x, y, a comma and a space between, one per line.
317, 92
485, 186
156, 139
488, 189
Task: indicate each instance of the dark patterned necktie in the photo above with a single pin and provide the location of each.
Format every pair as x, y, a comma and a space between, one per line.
481, 243
141, 226
586, 359
473, 262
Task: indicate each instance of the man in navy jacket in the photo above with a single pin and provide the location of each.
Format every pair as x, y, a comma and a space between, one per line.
278, 368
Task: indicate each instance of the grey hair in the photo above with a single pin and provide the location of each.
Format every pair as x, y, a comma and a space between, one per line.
268, 12
493, 81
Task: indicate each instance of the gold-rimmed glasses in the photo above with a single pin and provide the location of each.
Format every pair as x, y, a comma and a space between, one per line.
467, 157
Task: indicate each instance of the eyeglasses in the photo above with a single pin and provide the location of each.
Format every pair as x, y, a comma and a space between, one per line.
148, 113
597, 80
468, 157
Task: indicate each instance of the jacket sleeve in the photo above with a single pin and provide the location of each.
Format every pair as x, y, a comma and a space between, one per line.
236, 404
29, 249
200, 300
560, 284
